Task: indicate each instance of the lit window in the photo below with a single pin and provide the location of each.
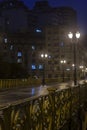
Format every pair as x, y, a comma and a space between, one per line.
33, 67
19, 54
11, 47
67, 69
19, 60
49, 56
33, 91
5, 40
33, 47
40, 66
38, 30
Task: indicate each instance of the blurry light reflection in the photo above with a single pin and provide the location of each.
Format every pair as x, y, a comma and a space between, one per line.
33, 91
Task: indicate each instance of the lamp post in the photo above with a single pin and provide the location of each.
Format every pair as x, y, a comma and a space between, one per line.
63, 62
81, 75
74, 37
44, 56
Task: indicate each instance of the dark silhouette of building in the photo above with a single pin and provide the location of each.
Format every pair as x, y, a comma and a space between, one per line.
25, 34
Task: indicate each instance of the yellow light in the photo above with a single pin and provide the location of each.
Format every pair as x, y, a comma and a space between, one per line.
42, 55
46, 55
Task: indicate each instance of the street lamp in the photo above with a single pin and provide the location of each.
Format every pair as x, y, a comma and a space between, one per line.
44, 56
63, 62
74, 37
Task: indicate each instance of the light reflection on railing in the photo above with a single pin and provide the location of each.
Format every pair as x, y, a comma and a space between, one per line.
33, 91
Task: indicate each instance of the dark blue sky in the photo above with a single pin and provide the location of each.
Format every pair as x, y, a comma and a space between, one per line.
79, 5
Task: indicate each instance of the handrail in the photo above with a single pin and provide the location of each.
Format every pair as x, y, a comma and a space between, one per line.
55, 110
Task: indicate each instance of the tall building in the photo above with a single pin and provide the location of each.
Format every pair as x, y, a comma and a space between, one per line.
47, 15
26, 34
14, 16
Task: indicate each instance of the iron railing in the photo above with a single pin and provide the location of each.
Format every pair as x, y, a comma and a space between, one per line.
12, 83
58, 110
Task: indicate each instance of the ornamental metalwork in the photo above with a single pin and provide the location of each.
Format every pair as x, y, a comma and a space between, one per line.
57, 110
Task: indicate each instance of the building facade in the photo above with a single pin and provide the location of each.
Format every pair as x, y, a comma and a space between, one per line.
26, 34
14, 16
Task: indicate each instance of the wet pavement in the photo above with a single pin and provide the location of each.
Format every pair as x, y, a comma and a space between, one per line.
8, 96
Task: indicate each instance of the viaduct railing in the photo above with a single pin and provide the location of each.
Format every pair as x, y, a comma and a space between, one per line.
10, 83
57, 110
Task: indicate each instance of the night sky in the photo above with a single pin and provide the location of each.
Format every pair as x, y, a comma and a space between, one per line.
79, 5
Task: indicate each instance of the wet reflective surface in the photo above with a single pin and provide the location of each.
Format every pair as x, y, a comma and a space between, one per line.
8, 96
15, 94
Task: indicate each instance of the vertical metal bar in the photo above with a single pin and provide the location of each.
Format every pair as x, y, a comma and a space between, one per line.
75, 65
63, 73
43, 78
52, 101
70, 110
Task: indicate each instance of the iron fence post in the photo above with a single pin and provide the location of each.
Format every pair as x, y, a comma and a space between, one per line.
52, 101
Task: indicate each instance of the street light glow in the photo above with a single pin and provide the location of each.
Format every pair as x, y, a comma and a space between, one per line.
42, 55
46, 55
63, 67
70, 35
77, 35
63, 61
81, 67
73, 65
